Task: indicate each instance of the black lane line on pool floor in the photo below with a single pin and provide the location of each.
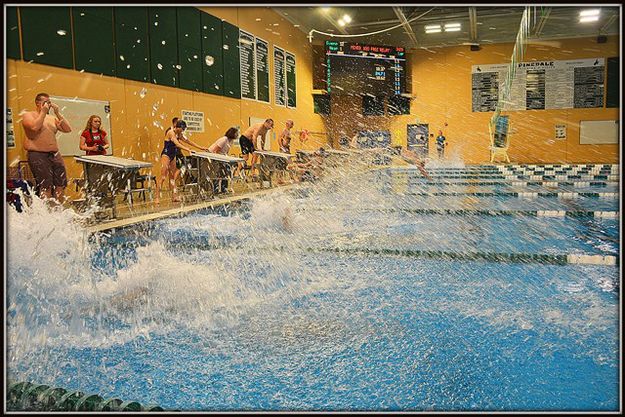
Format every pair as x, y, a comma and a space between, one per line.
600, 184
465, 212
525, 177
608, 195
525, 258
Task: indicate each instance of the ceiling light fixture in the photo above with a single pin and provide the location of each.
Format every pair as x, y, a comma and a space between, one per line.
428, 27
347, 18
433, 30
341, 22
452, 27
589, 12
588, 19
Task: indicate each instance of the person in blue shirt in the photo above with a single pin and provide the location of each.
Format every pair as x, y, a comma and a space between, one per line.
440, 144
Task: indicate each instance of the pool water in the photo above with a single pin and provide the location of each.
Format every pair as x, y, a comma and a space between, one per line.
238, 309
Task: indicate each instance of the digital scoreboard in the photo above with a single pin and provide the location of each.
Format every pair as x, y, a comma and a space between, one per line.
354, 68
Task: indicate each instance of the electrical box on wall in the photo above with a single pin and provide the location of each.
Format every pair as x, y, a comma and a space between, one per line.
560, 132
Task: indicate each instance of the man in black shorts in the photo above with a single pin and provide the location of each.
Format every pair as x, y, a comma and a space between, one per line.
248, 138
44, 158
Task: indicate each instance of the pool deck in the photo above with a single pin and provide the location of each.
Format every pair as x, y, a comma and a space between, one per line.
143, 212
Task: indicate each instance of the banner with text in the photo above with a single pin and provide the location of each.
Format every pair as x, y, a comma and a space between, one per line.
577, 83
291, 78
9, 132
194, 120
247, 59
279, 76
262, 70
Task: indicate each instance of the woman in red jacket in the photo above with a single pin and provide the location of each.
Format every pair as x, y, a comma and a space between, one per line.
93, 139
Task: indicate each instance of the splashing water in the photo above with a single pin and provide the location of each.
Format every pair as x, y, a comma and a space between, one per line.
257, 308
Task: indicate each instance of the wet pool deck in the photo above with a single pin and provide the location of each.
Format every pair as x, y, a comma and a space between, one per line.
143, 211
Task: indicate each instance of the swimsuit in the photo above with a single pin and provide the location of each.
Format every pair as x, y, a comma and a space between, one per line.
247, 146
170, 149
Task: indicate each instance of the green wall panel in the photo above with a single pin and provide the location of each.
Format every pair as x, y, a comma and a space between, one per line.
189, 48
190, 68
131, 43
12, 34
321, 104
93, 39
232, 80
613, 88
291, 78
163, 46
212, 54
47, 35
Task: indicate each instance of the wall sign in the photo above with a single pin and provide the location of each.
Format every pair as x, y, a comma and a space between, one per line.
194, 120
560, 131
10, 134
539, 85
254, 63
247, 59
279, 76
262, 70
291, 87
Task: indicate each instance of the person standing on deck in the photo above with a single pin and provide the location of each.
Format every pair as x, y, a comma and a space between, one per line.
248, 139
44, 158
440, 144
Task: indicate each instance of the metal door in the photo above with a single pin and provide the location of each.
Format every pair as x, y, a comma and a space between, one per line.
417, 135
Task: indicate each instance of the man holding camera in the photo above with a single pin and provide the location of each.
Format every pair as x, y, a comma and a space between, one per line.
44, 158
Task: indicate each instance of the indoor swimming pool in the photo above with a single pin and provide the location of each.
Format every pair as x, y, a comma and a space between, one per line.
378, 290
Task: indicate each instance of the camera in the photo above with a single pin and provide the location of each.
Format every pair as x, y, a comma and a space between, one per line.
100, 148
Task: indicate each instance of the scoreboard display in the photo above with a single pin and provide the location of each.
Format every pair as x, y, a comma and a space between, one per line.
354, 68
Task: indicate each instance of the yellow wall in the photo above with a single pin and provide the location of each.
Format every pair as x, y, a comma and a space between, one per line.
138, 120
441, 83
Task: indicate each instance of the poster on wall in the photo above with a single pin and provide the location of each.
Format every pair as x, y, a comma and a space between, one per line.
194, 120
540, 85
588, 85
484, 86
247, 60
291, 88
560, 132
10, 134
279, 76
262, 70
535, 89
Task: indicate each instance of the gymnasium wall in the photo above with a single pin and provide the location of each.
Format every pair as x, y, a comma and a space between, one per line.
141, 111
441, 85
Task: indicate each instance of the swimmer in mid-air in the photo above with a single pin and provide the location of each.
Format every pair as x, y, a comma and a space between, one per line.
287, 219
412, 157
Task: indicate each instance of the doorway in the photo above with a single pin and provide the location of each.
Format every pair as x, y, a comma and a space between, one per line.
417, 135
